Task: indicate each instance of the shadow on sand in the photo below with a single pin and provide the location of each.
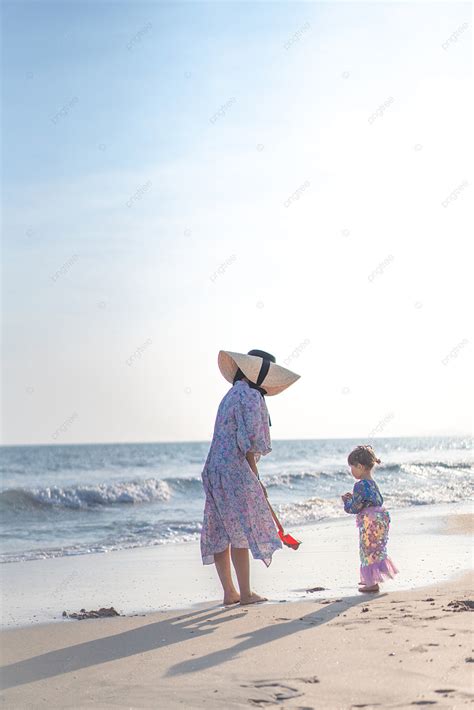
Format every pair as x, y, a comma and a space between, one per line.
161, 634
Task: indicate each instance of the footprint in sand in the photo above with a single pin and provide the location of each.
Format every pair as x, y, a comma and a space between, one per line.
278, 692
419, 649
259, 703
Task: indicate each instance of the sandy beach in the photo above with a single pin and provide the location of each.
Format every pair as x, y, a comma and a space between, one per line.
390, 651
401, 648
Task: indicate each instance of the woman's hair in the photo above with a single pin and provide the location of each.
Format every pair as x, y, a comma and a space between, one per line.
239, 375
364, 455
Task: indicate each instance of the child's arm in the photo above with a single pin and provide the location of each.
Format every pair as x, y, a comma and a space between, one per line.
357, 501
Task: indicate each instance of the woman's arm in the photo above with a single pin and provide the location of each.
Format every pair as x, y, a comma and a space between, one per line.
251, 416
250, 456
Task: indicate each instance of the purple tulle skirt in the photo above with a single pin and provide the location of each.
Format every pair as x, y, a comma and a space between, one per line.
375, 565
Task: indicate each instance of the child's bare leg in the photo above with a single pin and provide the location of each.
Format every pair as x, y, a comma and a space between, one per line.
240, 559
222, 561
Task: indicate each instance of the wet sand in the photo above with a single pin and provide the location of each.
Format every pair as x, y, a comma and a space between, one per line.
167, 577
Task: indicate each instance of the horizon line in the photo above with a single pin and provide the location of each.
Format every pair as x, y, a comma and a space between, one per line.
207, 441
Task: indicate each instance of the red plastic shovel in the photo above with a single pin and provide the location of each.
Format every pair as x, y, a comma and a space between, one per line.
286, 539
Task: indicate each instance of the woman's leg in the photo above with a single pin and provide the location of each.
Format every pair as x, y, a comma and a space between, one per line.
222, 561
240, 559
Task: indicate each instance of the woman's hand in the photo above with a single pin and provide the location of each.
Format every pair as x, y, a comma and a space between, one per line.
346, 496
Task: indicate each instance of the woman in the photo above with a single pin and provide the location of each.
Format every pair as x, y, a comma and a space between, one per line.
236, 515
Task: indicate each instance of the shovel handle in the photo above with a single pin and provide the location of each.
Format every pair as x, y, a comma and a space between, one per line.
274, 515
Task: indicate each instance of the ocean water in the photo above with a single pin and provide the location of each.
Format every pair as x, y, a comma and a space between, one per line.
86, 499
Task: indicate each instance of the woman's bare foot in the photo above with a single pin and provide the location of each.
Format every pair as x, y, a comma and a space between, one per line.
369, 590
252, 599
232, 598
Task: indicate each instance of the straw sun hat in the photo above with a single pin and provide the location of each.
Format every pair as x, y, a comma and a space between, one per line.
259, 367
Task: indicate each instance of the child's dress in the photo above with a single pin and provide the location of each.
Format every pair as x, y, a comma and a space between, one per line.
373, 522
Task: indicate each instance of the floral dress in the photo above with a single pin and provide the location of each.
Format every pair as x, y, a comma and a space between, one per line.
236, 510
373, 522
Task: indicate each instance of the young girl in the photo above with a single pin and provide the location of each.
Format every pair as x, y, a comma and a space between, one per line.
372, 520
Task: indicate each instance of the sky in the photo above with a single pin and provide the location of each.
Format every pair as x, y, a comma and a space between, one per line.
180, 178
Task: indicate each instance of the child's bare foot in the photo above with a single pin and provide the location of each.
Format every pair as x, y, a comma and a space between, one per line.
232, 598
369, 590
252, 599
